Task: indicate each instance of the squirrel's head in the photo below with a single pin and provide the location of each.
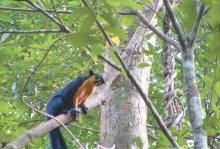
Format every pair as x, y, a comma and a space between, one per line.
97, 79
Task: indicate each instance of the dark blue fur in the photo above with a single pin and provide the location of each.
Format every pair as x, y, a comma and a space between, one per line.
62, 102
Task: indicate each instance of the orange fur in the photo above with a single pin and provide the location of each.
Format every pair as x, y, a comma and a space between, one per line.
84, 92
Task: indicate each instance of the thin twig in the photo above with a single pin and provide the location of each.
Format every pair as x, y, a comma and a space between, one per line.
106, 60
196, 25
21, 2
155, 30
64, 28
34, 10
85, 128
31, 31
176, 24
101, 27
57, 13
109, 62
213, 85
157, 15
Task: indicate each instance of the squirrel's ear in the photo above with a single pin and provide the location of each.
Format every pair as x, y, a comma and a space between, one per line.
91, 72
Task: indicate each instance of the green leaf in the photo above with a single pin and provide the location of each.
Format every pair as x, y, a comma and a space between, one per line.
189, 13
208, 81
5, 36
117, 31
5, 18
127, 20
129, 3
88, 22
5, 2
139, 142
217, 87
109, 18
82, 38
96, 50
4, 107
147, 52
115, 59
143, 65
215, 11
108, 7
150, 46
82, 12
123, 72
147, 1
73, 3
214, 44
218, 72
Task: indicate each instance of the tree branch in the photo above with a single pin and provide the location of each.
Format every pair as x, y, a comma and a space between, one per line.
85, 128
107, 60
38, 131
100, 27
155, 30
196, 25
34, 10
64, 28
156, 14
31, 31
110, 62
58, 17
176, 25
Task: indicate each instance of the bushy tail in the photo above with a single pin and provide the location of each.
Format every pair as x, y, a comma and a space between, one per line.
56, 139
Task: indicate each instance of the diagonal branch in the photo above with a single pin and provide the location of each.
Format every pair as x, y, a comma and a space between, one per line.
155, 30
176, 24
157, 15
112, 64
109, 62
196, 25
100, 27
64, 28
58, 17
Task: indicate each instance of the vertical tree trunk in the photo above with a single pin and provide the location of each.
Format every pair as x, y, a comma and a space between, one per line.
193, 100
123, 118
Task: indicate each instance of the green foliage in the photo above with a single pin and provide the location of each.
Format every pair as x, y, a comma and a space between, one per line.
82, 38
79, 51
188, 11
138, 142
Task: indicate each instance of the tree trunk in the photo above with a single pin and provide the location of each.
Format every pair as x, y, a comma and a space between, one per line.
193, 100
124, 117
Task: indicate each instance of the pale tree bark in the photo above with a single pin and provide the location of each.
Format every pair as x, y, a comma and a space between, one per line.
123, 118
124, 115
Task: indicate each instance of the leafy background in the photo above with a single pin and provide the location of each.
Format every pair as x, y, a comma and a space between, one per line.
78, 53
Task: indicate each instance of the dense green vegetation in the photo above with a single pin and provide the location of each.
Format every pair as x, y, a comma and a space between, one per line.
78, 53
